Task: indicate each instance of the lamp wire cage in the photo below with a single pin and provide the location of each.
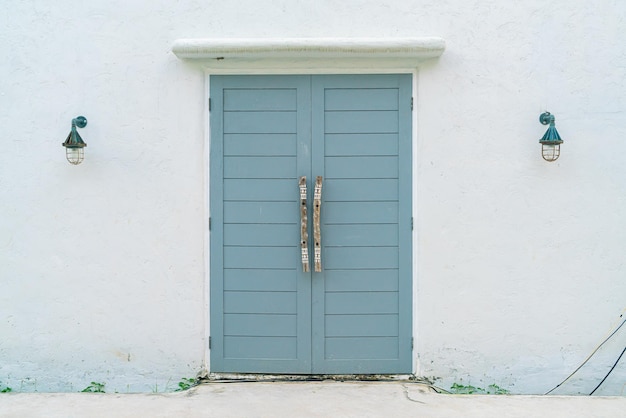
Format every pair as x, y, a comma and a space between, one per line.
75, 155
550, 152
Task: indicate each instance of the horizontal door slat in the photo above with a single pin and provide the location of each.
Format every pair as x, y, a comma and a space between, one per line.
260, 280
260, 325
261, 212
260, 189
361, 99
360, 144
261, 257
345, 258
260, 167
277, 348
259, 99
260, 302
359, 212
361, 235
361, 280
260, 144
260, 122
361, 325
360, 190
380, 121
361, 167
358, 303
280, 235
372, 348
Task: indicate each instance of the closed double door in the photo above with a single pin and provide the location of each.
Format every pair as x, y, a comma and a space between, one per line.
269, 315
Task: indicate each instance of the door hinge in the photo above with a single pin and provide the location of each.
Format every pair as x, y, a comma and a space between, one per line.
411, 223
209, 104
209, 223
411, 343
411, 103
209, 342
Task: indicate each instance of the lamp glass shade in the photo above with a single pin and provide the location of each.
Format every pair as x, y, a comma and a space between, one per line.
75, 156
550, 152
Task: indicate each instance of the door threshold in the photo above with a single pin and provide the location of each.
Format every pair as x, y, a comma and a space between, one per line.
262, 377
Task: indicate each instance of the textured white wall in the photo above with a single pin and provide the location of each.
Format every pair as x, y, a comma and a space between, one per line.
520, 262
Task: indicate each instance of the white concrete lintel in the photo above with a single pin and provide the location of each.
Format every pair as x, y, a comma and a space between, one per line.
308, 53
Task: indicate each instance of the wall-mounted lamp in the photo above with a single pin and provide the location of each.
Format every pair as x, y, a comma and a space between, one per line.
551, 141
74, 144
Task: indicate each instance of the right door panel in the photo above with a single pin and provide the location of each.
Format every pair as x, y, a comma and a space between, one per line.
361, 142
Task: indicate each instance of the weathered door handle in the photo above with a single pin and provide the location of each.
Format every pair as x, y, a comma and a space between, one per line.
304, 234
317, 232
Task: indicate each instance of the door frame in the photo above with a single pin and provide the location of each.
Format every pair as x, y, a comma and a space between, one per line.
207, 193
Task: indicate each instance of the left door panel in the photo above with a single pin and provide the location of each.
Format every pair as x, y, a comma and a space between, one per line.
260, 298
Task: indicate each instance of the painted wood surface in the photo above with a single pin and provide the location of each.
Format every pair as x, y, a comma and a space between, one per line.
269, 312
259, 296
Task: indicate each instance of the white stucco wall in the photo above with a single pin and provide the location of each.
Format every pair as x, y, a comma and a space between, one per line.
519, 263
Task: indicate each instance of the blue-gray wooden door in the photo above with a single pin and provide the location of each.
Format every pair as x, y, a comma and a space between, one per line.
267, 315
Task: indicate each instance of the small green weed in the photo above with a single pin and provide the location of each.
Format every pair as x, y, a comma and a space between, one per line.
5, 389
186, 383
94, 387
492, 389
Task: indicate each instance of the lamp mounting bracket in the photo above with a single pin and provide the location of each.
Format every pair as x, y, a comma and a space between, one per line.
546, 118
80, 121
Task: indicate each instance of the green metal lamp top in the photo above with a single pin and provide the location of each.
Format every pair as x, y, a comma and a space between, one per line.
551, 137
73, 139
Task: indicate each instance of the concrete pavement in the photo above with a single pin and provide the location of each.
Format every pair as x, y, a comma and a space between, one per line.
306, 399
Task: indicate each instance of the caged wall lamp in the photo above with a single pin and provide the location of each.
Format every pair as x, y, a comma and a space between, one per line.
551, 141
74, 144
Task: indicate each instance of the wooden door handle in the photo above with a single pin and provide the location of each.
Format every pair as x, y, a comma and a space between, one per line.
317, 232
304, 234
